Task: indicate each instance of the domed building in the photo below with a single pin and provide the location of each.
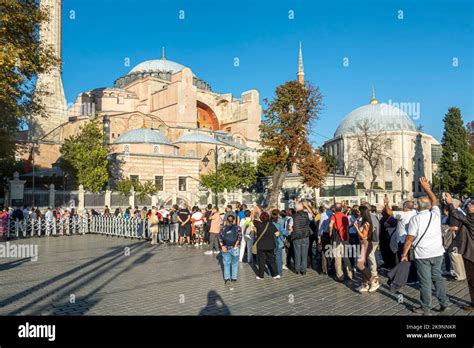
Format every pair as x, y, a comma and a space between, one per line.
160, 120
405, 152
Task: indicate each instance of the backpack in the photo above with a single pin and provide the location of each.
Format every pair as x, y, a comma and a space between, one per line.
230, 234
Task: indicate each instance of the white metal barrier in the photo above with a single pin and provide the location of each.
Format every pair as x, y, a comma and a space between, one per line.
107, 225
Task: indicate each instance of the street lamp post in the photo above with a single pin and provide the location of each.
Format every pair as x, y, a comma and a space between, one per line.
400, 173
205, 161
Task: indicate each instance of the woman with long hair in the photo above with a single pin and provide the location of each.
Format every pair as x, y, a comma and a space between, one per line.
365, 230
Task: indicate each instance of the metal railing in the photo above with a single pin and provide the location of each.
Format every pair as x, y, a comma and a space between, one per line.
107, 225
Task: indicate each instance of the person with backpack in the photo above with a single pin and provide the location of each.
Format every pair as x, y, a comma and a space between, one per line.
424, 234
246, 227
229, 239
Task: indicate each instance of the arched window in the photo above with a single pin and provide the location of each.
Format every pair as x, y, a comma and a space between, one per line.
360, 165
388, 144
388, 164
126, 149
156, 148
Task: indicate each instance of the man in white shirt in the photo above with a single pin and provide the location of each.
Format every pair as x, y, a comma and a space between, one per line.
424, 233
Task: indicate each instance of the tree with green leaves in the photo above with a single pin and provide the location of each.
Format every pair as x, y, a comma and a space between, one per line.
231, 176
22, 58
85, 157
456, 164
284, 134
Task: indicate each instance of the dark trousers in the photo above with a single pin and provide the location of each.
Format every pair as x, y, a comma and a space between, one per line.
412, 275
290, 254
312, 238
206, 232
301, 254
325, 253
469, 267
354, 240
388, 256
213, 241
266, 257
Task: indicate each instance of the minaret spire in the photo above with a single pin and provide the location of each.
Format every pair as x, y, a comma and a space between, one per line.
163, 53
300, 66
373, 101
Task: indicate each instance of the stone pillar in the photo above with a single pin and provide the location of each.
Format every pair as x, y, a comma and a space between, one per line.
154, 200
131, 198
52, 193
16, 191
108, 198
81, 198
173, 197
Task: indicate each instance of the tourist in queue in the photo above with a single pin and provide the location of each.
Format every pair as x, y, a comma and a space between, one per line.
197, 220
424, 234
174, 224
278, 222
153, 223
3, 223
246, 243
265, 232
324, 240
339, 234
289, 250
229, 239
300, 238
184, 219
403, 218
464, 242
365, 229
214, 230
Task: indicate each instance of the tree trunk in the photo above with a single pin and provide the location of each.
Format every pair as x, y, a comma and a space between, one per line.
278, 179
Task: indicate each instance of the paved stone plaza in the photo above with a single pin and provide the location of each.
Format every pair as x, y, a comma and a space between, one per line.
167, 280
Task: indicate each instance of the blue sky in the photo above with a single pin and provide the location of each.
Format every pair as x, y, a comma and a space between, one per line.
409, 60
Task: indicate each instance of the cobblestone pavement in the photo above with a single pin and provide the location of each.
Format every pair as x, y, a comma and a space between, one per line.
167, 280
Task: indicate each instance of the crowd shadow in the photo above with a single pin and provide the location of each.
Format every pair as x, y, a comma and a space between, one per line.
13, 264
100, 264
215, 306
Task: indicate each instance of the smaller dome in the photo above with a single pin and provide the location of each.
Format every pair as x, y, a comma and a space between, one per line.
197, 138
142, 136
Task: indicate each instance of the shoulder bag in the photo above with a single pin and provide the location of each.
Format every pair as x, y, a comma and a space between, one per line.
412, 249
254, 246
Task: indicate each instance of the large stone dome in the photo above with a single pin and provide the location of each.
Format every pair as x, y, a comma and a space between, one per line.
156, 65
381, 117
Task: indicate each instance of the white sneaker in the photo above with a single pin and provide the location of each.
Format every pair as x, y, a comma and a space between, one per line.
374, 287
284, 267
363, 288
216, 252
209, 252
258, 278
277, 277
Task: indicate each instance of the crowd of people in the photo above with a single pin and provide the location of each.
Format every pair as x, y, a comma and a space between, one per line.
413, 243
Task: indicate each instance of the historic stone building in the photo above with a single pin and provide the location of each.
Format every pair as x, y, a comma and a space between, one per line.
160, 120
408, 153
